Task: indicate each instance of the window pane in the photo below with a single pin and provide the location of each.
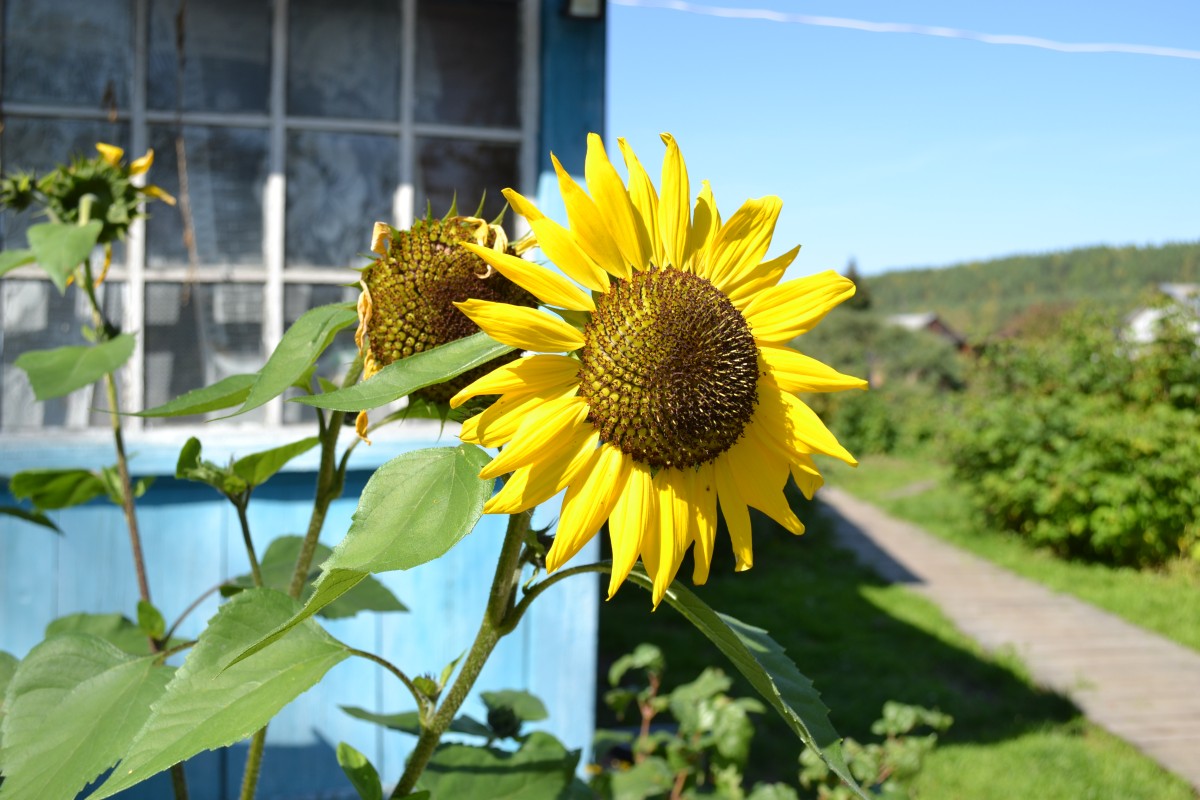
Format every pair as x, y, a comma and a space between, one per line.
227, 56
338, 185
91, 66
344, 59
447, 166
39, 145
197, 334
333, 363
468, 59
226, 174
34, 316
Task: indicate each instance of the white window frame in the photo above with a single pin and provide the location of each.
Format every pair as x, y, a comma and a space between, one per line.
273, 276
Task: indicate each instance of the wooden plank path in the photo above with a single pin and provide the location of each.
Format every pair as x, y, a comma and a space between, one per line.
1137, 684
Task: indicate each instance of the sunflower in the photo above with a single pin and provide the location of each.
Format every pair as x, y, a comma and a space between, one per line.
664, 389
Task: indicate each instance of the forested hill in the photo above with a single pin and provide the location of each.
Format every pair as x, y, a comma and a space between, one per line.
982, 297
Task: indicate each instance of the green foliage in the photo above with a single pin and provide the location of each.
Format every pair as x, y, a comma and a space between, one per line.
361, 772
58, 372
541, 768
1086, 445
33, 517
886, 768
225, 393
212, 703
401, 378
60, 248
115, 629
72, 707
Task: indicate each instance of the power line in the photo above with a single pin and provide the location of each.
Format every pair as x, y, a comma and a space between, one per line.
903, 27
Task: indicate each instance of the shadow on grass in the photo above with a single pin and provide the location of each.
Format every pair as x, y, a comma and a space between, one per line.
861, 639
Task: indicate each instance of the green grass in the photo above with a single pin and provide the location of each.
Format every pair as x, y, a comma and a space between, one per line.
864, 642
1166, 601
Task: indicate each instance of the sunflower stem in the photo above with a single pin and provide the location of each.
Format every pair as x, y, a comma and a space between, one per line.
492, 628
253, 764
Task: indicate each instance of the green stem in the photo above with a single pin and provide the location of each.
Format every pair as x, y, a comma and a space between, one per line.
256, 571
253, 764
514, 618
491, 629
399, 673
179, 782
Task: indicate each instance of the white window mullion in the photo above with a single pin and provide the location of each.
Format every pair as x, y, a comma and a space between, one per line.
275, 197
135, 306
402, 203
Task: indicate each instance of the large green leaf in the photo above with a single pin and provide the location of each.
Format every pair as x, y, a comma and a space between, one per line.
412, 510
11, 259
279, 562
403, 377
225, 393
257, 468
542, 768
763, 662
60, 247
410, 722
361, 772
115, 629
299, 348
56, 488
58, 372
526, 707
8, 666
72, 708
206, 706
34, 517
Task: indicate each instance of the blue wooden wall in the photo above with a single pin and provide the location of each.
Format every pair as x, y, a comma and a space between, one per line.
192, 542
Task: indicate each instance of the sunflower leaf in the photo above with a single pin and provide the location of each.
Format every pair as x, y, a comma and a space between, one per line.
225, 393
412, 510
56, 488
34, 517
403, 377
775, 676
542, 767
209, 704
257, 468
60, 247
300, 347
58, 372
11, 259
361, 772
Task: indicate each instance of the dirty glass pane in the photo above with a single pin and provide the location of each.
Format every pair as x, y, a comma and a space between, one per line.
226, 176
344, 59
34, 316
227, 56
38, 145
197, 334
298, 298
468, 59
445, 166
95, 71
338, 185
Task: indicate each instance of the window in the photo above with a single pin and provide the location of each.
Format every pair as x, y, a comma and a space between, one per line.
295, 124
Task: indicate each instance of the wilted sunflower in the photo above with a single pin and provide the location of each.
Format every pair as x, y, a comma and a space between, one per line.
679, 393
407, 304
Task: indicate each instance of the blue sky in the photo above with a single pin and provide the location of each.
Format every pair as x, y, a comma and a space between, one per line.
904, 150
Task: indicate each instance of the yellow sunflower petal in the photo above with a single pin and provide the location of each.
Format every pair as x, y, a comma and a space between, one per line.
518, 326
589, 226
792, 423
764, 276
158, 193
737, 516
635, 505
110, 153
706, 221
671, 486
674, 220
742, 242
542, 434
536, 483
645, 200
702, 490
806, 476
589, 501
532, 374
795, 372
790, 309
761, 475
558, 245
381, 238
499, 422
614, 204
549, 287
142, 164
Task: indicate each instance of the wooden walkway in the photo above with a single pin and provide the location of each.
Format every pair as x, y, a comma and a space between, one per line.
1137, 684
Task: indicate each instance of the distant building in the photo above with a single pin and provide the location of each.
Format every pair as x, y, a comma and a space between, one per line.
930, 322
1142, 326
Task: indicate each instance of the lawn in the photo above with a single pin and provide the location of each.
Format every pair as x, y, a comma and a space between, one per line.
1166, 601
864, 642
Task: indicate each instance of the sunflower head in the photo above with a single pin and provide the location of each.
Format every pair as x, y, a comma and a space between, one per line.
664, 392
409, 291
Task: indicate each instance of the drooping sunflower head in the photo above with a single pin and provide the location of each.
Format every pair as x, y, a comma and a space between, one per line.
678, 397
407, 304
